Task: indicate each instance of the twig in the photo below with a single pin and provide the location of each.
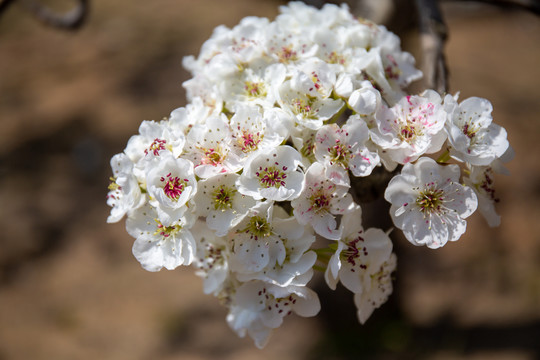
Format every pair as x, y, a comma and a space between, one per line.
70, 20
433, 36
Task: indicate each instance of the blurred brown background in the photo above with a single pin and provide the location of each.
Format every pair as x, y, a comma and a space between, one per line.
69, 286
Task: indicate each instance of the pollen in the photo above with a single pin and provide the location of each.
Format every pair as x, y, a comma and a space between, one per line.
222, 197
430, 200
271, 177
340, 154
248, 141
255, 89
174, 186
213, 157
156, 146
259, 227
304, 107
166, 231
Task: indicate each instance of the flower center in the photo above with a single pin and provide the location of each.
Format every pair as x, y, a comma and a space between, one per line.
113, 185
430, 200
304, 107
255, 89
407, 132
487, 185
335, 58
339, 154
286, 54
223, 198
353, 252
469, 131
259, 227
156, 146
174, 186
308, 148
392, 71
249, 141
320, 201
212, 157
166, 231
271, 177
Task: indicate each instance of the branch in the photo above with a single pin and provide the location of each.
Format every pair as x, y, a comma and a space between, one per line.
433, 35
529, 5
73, 19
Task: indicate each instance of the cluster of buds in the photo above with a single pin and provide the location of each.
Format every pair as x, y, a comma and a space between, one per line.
243, 180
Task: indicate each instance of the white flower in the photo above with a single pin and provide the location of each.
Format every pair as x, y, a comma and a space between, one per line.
170, 184
160, 246
359, 254
481, 181
343, 149
254, 132
220, 202
301, 100
296, 269
153, 139
320, 200
377, 291
124, 191
209, 148
258, 307
274, 175
474, 137
365, 100
211, 258
259, 241
429, 204
253, 86
414, 126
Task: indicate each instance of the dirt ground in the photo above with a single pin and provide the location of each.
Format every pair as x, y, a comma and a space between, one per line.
69, 286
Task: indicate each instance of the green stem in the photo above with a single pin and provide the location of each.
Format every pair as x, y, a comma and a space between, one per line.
443, 159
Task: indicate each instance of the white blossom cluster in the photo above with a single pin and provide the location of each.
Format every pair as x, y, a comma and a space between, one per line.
242, 180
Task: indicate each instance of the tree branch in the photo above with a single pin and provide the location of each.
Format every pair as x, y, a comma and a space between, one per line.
73, 19
433, 34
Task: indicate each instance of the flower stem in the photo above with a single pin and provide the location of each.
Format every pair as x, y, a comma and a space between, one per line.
444, 157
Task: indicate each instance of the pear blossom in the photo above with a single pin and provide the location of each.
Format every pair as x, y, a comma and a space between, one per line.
160, 246
253, 86
359, 254
480, 180
211, 258
376, 291
254, 132
274, 175
259, 307
342, 149
296, 269
429, 204
365, 100
253, 173
255, 242
220, 202
209, 148
153, 139
411, 128
301, 100
473, 137
124, 190
320, 200
170, 184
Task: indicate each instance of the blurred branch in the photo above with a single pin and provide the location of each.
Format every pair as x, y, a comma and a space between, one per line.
70, 20
433, 35
73, 19
5, 4
529, 5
